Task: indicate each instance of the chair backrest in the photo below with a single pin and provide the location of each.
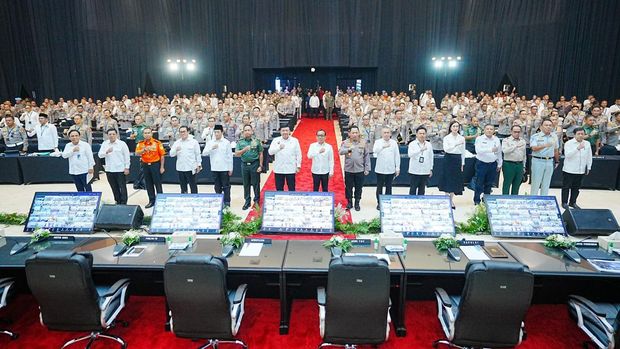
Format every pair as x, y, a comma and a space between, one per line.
62, 284
357, 300
197, 295
493, 304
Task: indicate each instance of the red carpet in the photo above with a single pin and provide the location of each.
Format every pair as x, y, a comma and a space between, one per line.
306, 134
548, 326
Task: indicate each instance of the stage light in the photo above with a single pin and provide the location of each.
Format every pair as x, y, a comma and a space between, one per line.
173, 66
169, 60
458, 58
193, 61
185, 61
452, 64
178, 60
434, 58
449, 58
312, 70
191, 66
438, 64
443, 58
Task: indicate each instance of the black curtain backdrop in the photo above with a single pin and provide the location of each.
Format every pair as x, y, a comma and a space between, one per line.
75, 48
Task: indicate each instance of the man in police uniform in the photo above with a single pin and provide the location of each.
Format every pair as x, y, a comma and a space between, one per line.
171, 133
545, 157
151, 153
250, 150
14, 136
356, 166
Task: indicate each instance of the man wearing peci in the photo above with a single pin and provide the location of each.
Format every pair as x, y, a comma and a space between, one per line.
287, 159
47, 136
152, 160
322, 156
221, 160
189, 161
250, 150
116, 155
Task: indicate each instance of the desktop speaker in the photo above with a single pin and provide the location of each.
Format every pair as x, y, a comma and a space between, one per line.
120, 217
590, 222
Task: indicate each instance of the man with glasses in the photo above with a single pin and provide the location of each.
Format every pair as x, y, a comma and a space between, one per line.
189, 161
513, 167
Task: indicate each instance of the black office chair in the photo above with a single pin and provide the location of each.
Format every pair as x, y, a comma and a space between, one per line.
201, 306
69, 300
356, 308
600, 321
6, 289
491, 309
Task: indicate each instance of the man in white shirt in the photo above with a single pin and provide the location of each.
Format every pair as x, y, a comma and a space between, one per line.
421, 161
30, 119
47, 136
322, 156
221, 159
81, 161
116, 155
577, 163
287, 159
388, 162
488, 162
314, 103
189, 161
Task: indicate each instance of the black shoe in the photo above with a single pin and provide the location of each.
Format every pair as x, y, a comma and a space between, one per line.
565, 206
349, 206
357, 207
246, 206
575, 206
453, 207
378, 207
149, 205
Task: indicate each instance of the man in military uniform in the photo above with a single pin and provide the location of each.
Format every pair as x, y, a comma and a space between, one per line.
592, 134
471, 132
356, 166
250, 150
14, 136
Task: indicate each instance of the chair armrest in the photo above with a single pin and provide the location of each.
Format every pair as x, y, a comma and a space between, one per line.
240, 294
587, 304
4, 282
443, 297
320, 295
116, 287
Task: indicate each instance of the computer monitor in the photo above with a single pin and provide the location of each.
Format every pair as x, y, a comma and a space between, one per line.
298, 212
63, 212
518, 216
417, 215
201, 213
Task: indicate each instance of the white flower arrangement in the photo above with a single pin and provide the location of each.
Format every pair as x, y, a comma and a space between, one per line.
40, 234
233, 239
337, 241
559, 241
132, 237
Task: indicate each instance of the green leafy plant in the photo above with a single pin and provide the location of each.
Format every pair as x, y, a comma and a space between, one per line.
40, 235
477, 224
340, 242
234, 223
147, 220
234, 239
13, 218
372, 226
445, 241
132, 237
559, 241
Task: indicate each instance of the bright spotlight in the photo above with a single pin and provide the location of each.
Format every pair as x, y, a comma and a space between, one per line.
434, 58
438, 64
312, 70
458, 58
443, 58
173, 66
185, 61
178, 60
193, 61
169, 60
191, 67
452, 64
449, 58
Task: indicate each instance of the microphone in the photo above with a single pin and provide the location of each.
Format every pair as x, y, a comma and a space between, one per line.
119, 249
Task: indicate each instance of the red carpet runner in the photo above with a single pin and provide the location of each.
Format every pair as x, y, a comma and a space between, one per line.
548, 326
306, 134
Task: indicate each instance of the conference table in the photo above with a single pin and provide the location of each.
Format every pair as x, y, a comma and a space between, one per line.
293, 269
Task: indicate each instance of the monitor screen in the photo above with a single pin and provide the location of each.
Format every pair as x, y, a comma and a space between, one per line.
417, 215
524, 216
73, 212
298, 212
201, 213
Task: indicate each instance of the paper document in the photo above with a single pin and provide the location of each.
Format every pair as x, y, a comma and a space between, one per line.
251, 249
474, 253
605, 265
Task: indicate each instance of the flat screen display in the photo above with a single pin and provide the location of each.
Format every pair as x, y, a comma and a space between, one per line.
71, 212
298, 212
201, 213
524, 216
417, 215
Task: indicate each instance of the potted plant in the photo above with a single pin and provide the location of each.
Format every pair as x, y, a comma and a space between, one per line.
131, 237
445, 242
338, 245
559, 241
40, 235
233, 239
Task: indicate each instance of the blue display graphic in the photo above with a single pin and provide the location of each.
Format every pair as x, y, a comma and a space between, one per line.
298, 212
417, 215
201, 213
524, 216
67, 212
